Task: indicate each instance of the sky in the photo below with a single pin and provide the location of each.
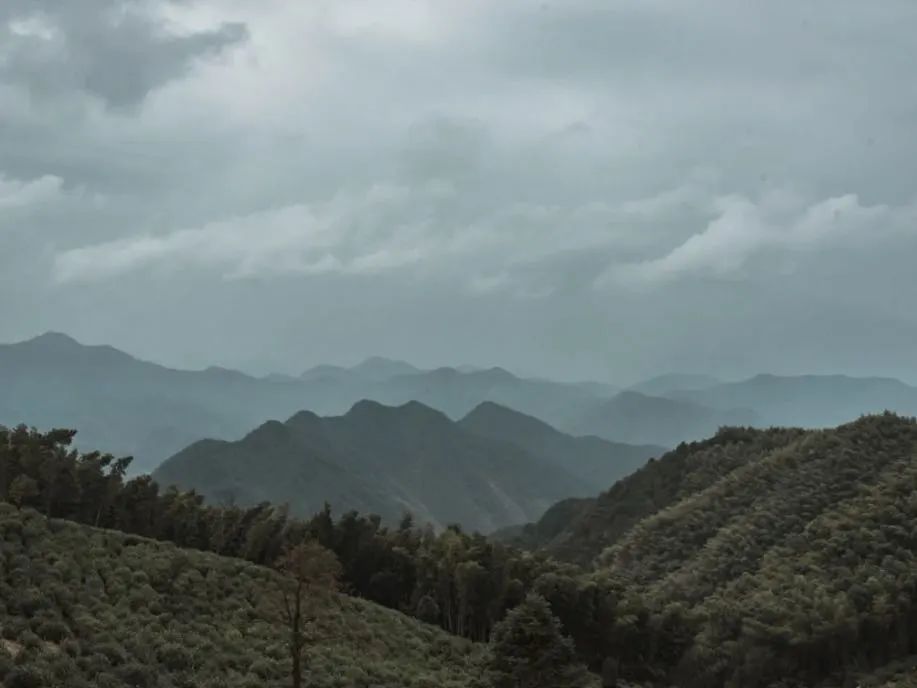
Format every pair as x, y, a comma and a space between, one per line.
581, 189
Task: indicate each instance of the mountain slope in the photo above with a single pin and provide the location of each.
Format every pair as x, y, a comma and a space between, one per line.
89, 607
381, 459
640, 419
579, 530
808, 553
596, 461
764, 558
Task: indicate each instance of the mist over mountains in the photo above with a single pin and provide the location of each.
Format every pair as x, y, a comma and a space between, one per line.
132, 407
408, 459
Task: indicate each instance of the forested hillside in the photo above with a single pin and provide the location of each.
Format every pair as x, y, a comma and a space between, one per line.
755, 558
579, 530
88, 607
758, 557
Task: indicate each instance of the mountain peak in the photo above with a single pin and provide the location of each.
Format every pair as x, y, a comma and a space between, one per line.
491, 415
367, 409
53, 339
59, 346
380, 367
499, 373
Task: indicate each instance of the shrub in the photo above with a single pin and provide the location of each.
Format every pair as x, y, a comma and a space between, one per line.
174, 657
23, 677
113, 652
55, 631
137, 675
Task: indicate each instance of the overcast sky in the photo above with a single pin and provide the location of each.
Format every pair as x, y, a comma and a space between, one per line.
579, 188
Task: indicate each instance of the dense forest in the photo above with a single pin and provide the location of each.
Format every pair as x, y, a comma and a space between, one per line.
755, 558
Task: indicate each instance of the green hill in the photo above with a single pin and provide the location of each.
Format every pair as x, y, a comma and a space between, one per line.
774, 558
579, 530
88, 607
380, 459
756, 558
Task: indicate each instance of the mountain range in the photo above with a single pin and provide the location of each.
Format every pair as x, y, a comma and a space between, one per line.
494, 468
132, 407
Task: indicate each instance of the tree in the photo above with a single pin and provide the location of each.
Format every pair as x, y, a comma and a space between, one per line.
530, 651
23, 490
310, 574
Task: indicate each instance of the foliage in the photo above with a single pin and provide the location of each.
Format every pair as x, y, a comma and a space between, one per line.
309, 573
530, 651
128, 611
756, 558
470, 580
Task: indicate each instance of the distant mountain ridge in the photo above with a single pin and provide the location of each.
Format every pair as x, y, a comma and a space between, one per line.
663, 385
640, 419
132, 407
808, 400
377, 459
596, 461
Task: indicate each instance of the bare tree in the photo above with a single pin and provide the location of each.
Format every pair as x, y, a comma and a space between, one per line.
311, 573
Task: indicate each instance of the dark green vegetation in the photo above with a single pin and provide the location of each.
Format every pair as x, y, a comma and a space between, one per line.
762, 556
580, 529
83, 607
383, 460
531, 651
464, 583
755, 558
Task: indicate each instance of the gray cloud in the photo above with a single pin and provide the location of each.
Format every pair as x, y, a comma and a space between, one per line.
584, 188
115, 51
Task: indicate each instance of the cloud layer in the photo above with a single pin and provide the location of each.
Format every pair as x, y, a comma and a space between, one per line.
586, 188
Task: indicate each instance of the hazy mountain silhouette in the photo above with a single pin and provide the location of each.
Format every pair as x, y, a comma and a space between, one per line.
809, 400
127, 406
596, 461
381, 459
662, 385
640, 419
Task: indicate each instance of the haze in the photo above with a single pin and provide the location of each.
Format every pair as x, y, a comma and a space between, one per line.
578, 189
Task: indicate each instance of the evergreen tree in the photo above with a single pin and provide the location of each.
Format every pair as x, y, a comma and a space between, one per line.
530, 650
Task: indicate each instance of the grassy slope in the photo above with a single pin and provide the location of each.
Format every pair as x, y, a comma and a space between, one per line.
88, 607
